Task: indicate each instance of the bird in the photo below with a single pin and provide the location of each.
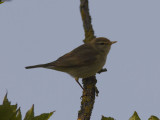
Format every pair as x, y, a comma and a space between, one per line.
83, 61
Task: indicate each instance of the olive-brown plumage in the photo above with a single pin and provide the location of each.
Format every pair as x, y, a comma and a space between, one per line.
84, 61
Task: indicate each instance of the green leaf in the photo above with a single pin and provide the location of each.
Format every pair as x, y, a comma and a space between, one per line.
44, 116
153, 118
1, 2
107, 118
8, 111
134, 116
30, 114
5, 100
19, 115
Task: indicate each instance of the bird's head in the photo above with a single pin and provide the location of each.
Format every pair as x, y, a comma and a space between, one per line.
102, 44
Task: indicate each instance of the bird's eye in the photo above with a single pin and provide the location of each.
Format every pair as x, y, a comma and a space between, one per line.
101, 43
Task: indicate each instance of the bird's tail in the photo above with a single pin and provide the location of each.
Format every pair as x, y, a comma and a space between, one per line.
35, 66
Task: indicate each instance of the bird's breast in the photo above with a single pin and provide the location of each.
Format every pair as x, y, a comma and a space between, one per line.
90, 70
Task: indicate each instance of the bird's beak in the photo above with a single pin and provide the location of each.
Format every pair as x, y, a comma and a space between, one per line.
112, 42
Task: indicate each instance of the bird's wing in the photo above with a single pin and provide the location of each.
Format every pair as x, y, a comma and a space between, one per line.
81, 56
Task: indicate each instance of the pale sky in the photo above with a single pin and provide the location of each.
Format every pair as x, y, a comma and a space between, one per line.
39, 31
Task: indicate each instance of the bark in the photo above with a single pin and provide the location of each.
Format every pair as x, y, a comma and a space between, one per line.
89, 84
86, 19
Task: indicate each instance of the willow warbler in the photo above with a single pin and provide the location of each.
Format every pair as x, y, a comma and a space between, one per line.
83, 61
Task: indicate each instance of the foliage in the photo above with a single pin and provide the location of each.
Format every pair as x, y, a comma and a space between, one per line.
107, 118
153, 118
1, 2
10, 112
134, 117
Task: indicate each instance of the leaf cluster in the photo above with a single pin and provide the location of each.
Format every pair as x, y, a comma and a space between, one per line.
11, 112
134, 117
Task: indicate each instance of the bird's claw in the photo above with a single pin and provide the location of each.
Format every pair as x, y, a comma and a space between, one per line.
102, 70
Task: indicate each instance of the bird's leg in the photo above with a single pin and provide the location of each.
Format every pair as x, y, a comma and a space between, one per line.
79, 83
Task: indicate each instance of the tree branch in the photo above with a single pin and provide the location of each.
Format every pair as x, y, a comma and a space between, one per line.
89, 84
88, 98
86, 18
